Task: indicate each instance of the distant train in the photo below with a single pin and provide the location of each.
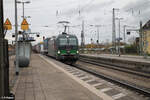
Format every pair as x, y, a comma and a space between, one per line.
64, 47
38, 48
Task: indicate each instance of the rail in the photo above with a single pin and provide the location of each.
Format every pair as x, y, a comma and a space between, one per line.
140, 73
117, 81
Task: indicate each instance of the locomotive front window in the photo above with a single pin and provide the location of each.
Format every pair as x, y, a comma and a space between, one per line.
63, 41
72, 41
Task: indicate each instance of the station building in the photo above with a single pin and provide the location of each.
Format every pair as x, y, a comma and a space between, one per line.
146, 37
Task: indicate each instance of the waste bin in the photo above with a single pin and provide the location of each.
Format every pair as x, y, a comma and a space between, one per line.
24, 52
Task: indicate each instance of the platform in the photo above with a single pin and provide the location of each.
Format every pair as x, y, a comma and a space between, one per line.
43, 81
133, 58
128, 61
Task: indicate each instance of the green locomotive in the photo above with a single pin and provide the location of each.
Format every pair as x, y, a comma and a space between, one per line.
64, 47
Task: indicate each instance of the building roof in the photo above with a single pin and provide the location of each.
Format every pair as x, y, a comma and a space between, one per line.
147, 26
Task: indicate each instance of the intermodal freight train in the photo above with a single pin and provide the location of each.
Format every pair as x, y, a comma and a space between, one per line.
38, 48
64, 47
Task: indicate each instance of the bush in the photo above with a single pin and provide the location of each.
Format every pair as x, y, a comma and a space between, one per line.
131, 49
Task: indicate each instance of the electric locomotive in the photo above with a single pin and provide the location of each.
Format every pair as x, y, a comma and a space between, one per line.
64, 47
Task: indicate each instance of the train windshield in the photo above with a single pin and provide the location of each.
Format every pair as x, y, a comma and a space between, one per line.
63, 41
72, 41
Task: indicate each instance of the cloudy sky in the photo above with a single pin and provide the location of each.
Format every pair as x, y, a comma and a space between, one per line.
93, 12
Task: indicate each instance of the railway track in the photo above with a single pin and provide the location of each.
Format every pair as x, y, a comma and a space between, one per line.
118, 68
122, 83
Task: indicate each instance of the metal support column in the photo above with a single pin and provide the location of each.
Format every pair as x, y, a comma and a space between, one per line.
124, 33
113, 30
1, 20
124, 29
23, 9
119, 40
141, 39
119, 19
98, 40
1, 51
16, 38
4, 61
82, 37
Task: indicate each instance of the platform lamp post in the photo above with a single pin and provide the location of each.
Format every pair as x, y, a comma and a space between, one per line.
119, 19
124, 34
25, 2
23, 16
23, 12
124, 29
16, 39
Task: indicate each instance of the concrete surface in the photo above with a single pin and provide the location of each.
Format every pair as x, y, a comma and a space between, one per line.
42, 81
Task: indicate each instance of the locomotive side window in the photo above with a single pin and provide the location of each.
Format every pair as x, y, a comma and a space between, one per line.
72, 41
63, 41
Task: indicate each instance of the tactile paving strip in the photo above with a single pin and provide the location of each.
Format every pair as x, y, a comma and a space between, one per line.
99, 84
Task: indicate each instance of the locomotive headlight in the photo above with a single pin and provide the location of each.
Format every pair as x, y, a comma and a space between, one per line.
58, 52
77, 51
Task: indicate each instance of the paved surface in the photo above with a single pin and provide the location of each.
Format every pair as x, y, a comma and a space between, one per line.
42, 81
12, 76
122, 57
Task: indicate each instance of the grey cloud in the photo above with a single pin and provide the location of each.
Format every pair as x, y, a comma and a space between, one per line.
137, 5
139, 8
44, 13
89, 8
98, 6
